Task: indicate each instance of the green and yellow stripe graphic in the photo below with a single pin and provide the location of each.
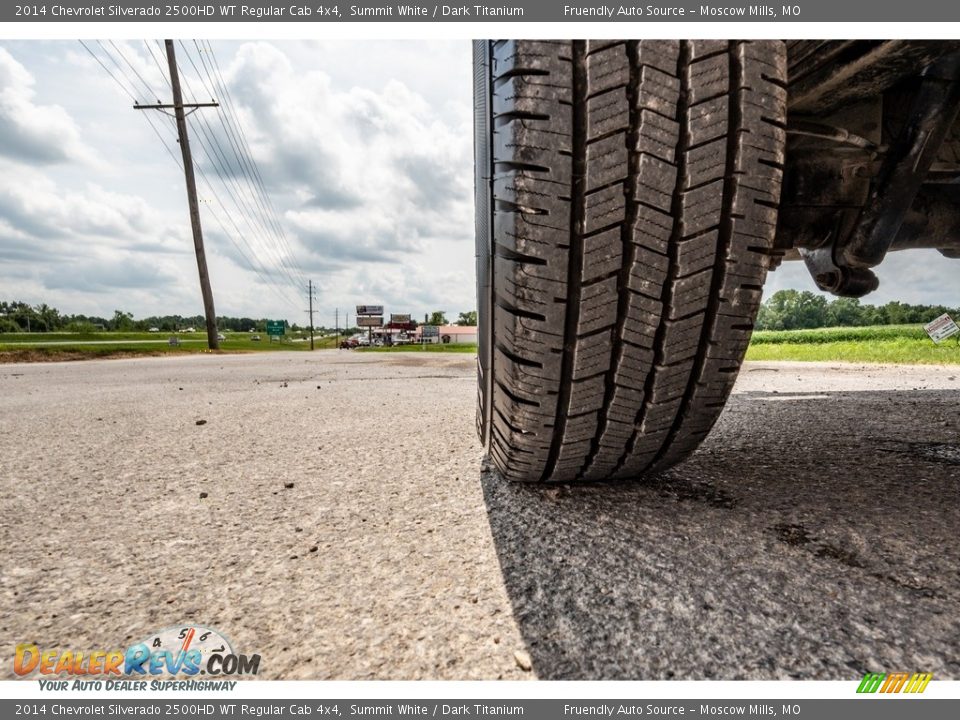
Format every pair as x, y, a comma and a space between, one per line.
894, 682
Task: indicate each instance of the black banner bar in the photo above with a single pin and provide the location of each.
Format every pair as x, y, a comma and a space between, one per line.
315, 11
224, 706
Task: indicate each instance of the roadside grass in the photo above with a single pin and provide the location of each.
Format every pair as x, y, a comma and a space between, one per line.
435, 348
38, 347
893, 344
37, 337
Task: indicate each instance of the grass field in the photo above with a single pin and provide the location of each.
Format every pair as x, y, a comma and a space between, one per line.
29, 347
895, 344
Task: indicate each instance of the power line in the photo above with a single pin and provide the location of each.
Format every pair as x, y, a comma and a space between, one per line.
245, 162
218, 160
224, 168
156, 61
216, 216
135, 71
129, 86
210, 313
131, 95
231, 113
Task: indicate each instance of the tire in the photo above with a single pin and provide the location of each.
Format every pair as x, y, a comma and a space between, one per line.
626, 199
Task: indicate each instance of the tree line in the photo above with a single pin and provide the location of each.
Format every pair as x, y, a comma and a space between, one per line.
19, 316
795, 310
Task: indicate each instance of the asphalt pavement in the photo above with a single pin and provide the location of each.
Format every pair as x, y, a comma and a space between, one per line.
331, 512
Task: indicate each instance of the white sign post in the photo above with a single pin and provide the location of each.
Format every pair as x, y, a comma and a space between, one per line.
941, 328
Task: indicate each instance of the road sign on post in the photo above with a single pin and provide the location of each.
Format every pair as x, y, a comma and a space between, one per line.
941, 328
276, 327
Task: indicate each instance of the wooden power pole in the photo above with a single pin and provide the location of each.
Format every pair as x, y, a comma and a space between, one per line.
310, 293
208, 310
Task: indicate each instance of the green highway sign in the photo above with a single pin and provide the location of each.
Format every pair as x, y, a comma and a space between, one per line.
276, 327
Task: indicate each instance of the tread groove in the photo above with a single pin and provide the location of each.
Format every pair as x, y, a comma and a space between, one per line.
676, 233
502, 251
577, 213
628, 255
722, 250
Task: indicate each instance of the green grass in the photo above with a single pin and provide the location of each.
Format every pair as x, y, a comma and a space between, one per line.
15, 347
871, 333
36, 337
894, 344
436, 348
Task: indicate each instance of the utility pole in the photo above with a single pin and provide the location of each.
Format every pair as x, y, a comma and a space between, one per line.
208, 310
337, 323
310, 293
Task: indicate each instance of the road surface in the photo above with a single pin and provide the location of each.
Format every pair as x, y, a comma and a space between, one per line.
331, 513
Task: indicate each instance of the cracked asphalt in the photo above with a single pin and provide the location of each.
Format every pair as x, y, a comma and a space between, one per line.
333, 514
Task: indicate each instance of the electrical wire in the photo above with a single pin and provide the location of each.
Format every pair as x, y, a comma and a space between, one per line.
131, 90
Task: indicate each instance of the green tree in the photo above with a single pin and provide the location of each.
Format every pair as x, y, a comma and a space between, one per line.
468, 318
121, 321
845, 312
48, 317
438, 317
791, 310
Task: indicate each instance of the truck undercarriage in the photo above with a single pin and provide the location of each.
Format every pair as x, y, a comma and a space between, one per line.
872, 156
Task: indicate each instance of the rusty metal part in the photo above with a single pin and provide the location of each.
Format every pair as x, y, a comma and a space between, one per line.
830, 133
825, 75
932, 223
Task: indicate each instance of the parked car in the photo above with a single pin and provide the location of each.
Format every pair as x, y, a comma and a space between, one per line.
256, 338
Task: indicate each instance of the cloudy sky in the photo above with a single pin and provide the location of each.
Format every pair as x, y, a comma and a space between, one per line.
363, 149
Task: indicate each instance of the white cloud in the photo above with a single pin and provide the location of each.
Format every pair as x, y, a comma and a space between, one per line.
375, 171
39, 134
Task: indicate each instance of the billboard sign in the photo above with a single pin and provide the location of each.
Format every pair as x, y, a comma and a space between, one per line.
430, 331
399, 319
369, 321
369, 310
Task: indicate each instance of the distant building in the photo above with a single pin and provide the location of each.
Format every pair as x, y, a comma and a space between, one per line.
458, 334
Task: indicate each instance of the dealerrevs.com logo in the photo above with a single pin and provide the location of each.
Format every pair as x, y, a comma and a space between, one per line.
181, 651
